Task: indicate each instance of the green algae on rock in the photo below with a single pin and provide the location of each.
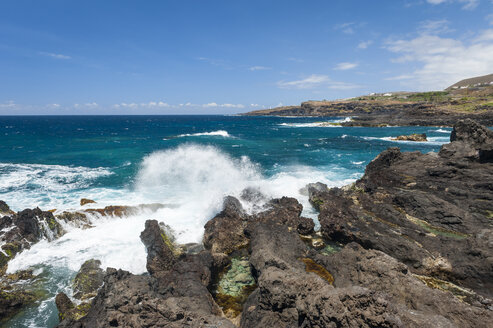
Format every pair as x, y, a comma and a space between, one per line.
235, 284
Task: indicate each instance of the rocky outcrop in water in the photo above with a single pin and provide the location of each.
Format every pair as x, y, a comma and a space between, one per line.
18, 231
412, 137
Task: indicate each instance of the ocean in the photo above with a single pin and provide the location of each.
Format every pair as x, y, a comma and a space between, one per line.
187, 163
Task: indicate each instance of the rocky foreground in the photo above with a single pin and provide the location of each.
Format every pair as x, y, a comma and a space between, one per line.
410, 244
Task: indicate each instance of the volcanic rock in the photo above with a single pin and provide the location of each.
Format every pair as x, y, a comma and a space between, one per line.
430, 211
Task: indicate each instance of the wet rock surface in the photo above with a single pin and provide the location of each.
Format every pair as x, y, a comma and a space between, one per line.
88, 279
18, 231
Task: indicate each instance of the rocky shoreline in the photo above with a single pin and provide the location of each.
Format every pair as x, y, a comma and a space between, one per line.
370, 114
439, 108
410, 244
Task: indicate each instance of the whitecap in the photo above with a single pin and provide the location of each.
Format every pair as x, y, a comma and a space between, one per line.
220, 133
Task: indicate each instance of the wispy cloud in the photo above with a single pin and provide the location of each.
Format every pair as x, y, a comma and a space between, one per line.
467, 4
54, 55
311, 81
345, 66
400, 77
349, 27
259, 68
215, 62
444, 61
294, 59
9, 104
489, 18
435, 27
316, 81
365, 44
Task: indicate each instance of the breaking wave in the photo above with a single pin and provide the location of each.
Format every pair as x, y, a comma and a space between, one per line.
219, 133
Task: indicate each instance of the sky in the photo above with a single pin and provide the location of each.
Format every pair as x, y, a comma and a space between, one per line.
60, 57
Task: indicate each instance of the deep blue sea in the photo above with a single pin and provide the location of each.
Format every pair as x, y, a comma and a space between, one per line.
187, 163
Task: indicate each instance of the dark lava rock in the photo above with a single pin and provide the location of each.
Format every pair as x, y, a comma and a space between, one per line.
88, 279
18, 231
175, 295
430, 211
225, 232
4, 208
159, 248
365, 289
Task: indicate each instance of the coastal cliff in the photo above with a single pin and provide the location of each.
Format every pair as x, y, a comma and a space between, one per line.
407, 245
441, 108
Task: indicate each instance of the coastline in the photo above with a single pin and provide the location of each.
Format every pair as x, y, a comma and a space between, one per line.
430, 227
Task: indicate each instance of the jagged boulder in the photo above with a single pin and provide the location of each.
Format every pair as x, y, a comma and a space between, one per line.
224, 233
160, 256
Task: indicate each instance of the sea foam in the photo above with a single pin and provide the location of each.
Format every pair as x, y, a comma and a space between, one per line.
193, 180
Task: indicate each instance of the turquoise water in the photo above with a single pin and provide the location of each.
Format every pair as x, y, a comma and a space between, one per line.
187, 163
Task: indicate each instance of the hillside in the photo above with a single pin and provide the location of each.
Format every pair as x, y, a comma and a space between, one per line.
473, 82
444, 108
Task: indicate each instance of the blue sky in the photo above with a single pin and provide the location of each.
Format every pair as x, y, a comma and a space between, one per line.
223, 57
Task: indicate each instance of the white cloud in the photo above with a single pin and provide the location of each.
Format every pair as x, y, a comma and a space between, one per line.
434, 27
56, 56
213, 104
345, 66
467, 4
365, 44
259, 68
150, 104
444, 61
316, 81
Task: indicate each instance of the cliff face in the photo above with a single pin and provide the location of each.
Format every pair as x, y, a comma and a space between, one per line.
408, 245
